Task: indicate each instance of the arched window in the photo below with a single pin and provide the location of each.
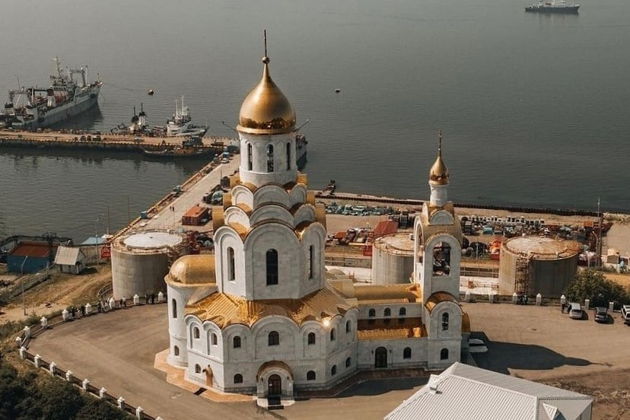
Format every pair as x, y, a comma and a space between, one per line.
348, 326
236, 342
195, 332
311, 338
310, 375
231, 268
387, 312
348, 362
214, 339
442, 259
176, 350
174, 308
407, 353
250, 158
333, 370
272, 267
445, 321
402, 312
238, 378
273, 339
332, 335
197, 369
311, 261
288, 156
372, 313
270, 158
444, 354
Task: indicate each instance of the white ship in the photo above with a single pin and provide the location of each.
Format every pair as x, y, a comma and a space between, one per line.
181, 123
34, 107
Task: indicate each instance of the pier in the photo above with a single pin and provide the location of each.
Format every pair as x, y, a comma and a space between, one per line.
96, 141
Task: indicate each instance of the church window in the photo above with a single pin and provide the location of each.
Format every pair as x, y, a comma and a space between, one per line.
197, 369
250, 158
442, 259
236, 342
174, 308
372, 313
348, 362
333, 370
272, 267
270, 158
238, 378
273, 339
288, 156
332, 335
445, 321
402, 312
387, 312
214, 339
231, 268
311, 261
196, 332
176, 350
310, 375
407, 353
311, 338
444, 354
348, 326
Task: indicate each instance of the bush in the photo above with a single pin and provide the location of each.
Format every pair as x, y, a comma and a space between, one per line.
590, 284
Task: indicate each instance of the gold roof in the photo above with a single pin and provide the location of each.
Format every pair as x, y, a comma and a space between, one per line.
465, 322
394, 293
193, 269
266, 110
225, 310
439, 172
439, 297
391, 329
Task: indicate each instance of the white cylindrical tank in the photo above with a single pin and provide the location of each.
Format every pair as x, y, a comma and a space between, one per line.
392, 259
141, 260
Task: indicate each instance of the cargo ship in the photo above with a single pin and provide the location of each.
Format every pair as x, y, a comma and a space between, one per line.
553, 6
34, 107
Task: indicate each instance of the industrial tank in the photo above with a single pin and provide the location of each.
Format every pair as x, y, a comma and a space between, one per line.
141, 260
392, 259
532, 265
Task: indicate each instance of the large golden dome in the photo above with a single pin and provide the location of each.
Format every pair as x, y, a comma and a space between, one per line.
439, 172
266, 110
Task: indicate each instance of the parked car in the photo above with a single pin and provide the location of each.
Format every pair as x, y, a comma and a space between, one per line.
625, 313
601, 314
575, 311
476, 345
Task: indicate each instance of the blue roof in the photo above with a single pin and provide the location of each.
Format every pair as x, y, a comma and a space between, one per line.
94, 240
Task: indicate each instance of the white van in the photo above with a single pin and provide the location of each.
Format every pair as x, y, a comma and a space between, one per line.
575, 311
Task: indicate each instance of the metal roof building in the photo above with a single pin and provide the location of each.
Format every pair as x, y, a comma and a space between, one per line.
464, 392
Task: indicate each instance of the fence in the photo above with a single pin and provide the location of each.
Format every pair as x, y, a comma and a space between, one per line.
28, 333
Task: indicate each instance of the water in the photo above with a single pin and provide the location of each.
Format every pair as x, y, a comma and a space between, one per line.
534, 108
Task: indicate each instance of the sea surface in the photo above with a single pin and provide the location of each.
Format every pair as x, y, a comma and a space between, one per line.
535, 109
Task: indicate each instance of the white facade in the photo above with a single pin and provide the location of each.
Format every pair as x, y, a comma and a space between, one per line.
260, 316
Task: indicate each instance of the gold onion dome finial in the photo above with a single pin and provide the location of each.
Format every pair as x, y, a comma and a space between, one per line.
439, 172
266, 110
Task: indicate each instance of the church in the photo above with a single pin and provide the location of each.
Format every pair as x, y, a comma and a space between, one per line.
262, 316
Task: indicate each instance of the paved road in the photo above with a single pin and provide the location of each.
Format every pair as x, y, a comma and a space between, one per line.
116, 350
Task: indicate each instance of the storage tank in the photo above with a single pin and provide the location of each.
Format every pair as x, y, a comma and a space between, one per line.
532, 265
392, 259
141, 260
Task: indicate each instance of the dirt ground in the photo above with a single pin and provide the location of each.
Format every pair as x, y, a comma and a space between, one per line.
58, 293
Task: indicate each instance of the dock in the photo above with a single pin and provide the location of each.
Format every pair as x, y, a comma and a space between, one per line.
95, 141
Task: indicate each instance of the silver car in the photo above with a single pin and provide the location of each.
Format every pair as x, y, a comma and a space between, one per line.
575, 311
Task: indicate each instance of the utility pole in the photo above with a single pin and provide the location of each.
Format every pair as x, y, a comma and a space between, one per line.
600, 221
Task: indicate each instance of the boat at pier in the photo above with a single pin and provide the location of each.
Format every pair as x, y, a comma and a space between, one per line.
34, 107
190, 148
553, 6
181, 123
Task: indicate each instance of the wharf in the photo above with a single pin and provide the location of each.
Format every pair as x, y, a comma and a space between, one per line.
94, 141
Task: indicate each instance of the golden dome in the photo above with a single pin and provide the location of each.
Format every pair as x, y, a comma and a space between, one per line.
193, 269
266, 110
439, 172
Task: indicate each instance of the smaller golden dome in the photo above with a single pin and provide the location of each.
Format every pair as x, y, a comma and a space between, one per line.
193, 269
266, 110
439, 172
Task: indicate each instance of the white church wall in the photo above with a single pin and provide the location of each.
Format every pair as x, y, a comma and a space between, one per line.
395, 352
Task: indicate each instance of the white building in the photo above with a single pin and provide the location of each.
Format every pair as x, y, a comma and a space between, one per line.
263, 316
464, 392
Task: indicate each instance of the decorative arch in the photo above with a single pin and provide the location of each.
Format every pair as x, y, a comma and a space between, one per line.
271, 212
242, 195
272, 194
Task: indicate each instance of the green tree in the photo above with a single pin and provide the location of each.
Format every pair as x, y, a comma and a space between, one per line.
593, 285
100, 410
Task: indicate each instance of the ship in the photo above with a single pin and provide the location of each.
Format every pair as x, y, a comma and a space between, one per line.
34, 107
181, 123
553, 6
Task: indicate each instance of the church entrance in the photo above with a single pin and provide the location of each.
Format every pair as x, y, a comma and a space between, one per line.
380, 357
274, 386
